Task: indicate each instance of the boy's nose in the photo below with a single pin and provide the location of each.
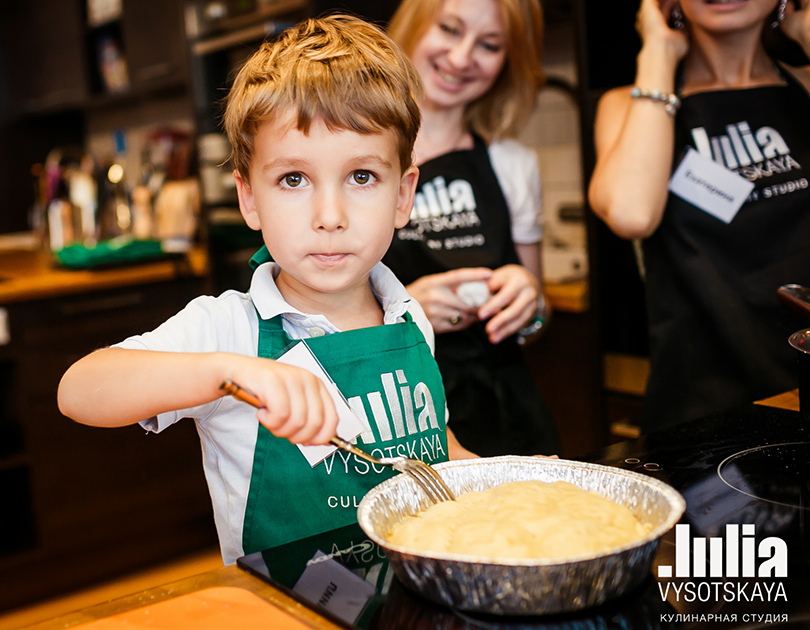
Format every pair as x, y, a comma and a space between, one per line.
330, 212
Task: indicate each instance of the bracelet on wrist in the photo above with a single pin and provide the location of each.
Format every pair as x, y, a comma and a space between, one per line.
671, 102
536, 324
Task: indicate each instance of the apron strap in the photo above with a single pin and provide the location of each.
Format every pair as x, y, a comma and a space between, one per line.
272, 336
273, 341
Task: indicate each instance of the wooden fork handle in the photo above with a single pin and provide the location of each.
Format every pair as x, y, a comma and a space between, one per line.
241, 393
231, 388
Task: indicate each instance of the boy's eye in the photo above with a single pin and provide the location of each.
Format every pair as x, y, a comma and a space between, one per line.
363, 177
292, 180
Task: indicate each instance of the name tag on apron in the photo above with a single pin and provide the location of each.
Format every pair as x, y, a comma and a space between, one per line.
334, 587
710, 186
349, 425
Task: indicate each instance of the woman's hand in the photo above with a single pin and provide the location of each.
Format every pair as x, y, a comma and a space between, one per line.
436, 294
796, 24
515, 291
652, 25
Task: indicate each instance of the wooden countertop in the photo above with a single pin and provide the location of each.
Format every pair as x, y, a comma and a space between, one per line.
29, 274
569, 297
280, 607
787, 400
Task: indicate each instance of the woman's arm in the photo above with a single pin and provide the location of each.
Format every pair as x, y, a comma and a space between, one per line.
634, 137
516, 288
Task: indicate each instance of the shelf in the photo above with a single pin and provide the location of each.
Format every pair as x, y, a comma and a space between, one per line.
266, 11
15, 460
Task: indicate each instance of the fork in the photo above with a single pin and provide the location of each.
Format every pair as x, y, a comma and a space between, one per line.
425, 477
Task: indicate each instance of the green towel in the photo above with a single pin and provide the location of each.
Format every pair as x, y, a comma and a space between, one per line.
117, 251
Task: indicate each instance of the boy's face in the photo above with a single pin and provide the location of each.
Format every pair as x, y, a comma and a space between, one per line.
327, 203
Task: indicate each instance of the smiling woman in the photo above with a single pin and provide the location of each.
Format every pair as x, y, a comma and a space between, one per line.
461, 54
476, 216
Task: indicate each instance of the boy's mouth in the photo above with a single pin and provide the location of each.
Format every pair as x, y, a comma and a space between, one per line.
329, 259
724, 1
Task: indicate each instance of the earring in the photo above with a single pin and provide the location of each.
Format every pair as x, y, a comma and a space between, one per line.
780, 13
676, 18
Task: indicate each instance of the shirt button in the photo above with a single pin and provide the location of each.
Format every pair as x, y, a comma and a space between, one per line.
316, 332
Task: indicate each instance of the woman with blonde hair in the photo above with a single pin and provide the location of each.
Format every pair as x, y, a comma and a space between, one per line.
471, 252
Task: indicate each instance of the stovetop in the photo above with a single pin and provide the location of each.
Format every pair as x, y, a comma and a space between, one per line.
749, 469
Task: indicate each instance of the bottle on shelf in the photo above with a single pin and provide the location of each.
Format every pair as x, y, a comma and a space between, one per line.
115, 203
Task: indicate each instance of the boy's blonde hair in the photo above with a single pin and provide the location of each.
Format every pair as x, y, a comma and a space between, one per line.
338, 69
504, 109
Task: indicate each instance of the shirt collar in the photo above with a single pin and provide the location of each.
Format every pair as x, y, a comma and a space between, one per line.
392, 296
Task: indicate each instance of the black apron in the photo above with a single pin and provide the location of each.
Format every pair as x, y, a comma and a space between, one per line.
461, 219
718, 334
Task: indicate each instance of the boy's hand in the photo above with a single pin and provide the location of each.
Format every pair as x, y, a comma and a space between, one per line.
295, 403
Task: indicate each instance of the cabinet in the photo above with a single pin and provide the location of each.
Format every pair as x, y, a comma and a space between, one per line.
43, 48
151, 38
51, 85
82, 504
54, 57
220, 42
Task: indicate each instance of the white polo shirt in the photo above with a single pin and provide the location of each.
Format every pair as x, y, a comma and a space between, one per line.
228, 427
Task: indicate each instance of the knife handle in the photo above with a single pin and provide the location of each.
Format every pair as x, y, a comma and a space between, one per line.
795, 297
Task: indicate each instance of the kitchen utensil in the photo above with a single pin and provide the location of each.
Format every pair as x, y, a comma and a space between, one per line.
425, 476
800, 340
795, 297
524, 586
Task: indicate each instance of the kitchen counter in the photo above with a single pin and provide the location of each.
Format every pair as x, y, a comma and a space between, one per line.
31, 274
690, 457
275, 609
70, 530
569, 297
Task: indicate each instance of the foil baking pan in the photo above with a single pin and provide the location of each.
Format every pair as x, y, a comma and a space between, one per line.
523, 586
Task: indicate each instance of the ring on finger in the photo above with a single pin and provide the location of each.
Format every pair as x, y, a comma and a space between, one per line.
455, 319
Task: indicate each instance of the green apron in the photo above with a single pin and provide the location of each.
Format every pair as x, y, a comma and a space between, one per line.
392, 383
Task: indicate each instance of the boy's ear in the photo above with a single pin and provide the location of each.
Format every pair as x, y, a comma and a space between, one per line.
247, 202
407, 189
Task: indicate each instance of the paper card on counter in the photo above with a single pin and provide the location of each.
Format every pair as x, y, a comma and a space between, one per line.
710, 186
349, 425
334, 587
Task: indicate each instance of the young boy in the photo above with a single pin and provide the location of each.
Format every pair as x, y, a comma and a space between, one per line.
322, 124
